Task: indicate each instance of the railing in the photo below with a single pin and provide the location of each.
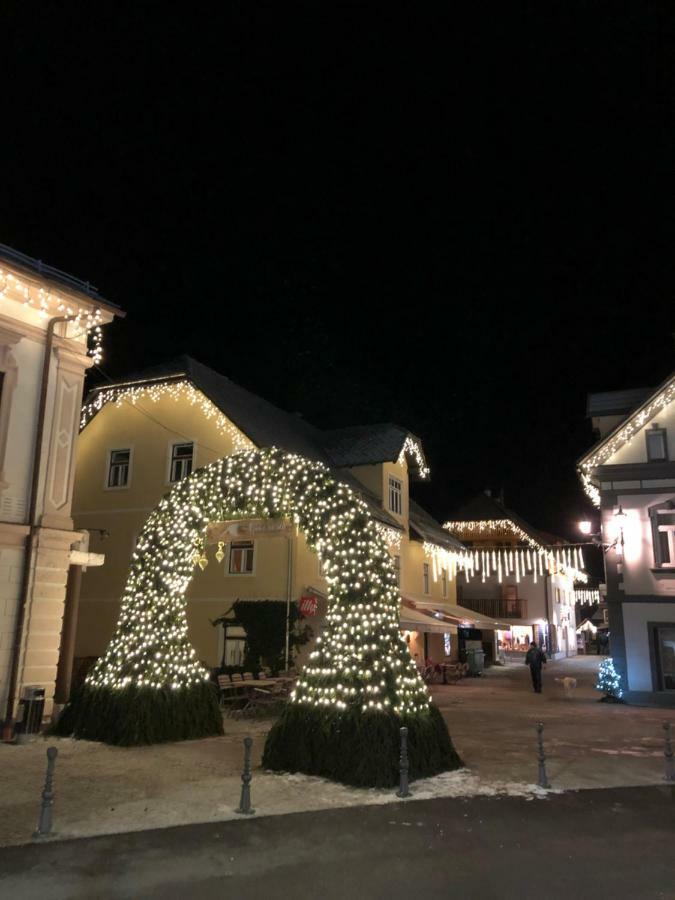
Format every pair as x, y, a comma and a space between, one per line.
496, 608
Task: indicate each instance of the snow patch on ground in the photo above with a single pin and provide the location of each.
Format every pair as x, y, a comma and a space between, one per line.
460, 783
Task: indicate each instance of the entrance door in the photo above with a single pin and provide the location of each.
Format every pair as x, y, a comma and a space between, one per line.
665, 646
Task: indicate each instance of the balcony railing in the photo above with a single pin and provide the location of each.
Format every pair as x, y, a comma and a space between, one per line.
496, 608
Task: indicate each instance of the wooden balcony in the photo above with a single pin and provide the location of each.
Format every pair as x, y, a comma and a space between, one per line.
496, 608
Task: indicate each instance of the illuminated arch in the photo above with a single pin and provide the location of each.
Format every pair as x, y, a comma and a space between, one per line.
359, 685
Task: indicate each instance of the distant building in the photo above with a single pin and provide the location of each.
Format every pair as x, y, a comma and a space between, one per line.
46, 318
523, 576
630, 474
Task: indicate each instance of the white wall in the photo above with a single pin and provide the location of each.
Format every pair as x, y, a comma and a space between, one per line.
635, 618
635, 450
638, 550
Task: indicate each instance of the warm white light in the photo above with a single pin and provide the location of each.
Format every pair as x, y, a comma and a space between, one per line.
585, 527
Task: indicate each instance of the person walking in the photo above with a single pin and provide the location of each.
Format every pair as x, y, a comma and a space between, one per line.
535, 658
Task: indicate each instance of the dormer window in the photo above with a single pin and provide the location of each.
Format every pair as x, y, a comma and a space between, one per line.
395, 495
657, 447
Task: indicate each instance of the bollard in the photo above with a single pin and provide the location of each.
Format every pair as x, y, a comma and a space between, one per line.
403, 790
245, 801
668, 753
44, 827
542, 780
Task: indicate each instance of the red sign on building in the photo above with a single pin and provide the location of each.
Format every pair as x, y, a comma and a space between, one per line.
308, 605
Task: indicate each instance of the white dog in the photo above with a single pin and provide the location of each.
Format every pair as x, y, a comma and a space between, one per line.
569, 684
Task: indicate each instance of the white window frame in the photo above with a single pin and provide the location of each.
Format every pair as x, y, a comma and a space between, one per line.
395, 495
231, 546
106, 481
663, 434
666, 508
425, 577
172, 445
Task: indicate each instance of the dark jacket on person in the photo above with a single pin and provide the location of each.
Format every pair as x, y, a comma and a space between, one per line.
535, 657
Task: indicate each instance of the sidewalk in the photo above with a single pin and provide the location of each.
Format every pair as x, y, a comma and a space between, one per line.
588, 845
102, 789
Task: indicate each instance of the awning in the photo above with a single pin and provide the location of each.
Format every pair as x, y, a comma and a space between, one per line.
414, 620
453, 614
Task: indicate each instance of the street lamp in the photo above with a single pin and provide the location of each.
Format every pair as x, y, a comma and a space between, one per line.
585, 527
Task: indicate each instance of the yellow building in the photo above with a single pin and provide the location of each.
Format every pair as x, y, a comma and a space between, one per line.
142, 434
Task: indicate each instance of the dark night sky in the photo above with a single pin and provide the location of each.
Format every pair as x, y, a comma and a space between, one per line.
459, 217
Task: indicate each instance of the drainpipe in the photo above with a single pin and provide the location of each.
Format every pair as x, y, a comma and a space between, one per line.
8, 727
289, 591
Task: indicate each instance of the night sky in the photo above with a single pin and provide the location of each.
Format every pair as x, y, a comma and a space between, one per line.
459, 218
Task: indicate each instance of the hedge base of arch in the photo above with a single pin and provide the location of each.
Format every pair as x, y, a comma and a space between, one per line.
358, 749
134, 716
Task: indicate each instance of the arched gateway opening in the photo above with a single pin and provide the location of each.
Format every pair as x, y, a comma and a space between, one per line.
359, 686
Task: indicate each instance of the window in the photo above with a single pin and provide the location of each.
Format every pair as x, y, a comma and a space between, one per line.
241, 558
181, 461
118, 468
657, 450
425, 575
444, 584
397, 569
665, 647
395, 496
663, 533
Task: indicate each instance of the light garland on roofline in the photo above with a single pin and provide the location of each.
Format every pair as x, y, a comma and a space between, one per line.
614, 443
391, 536
48, 304
174, 390
412, 447
361, 661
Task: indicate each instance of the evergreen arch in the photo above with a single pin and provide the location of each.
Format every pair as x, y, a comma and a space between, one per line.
359, 685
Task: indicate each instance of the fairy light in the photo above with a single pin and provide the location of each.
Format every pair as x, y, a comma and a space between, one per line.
361, 659
518, 561
182, 390
587, 598
411, 447
86, 320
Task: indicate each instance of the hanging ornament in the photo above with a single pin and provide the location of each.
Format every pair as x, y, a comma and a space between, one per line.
203, 561
220, 553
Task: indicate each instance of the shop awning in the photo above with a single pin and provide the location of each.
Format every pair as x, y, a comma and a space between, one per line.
453, 614
414, 620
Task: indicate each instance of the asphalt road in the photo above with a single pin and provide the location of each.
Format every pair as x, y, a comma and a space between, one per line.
598, 844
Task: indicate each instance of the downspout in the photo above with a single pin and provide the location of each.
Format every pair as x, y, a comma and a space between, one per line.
8, 727
289, 591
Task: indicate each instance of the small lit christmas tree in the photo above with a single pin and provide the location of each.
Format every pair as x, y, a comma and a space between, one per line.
609, 681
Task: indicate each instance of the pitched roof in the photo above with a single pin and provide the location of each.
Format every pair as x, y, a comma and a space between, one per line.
615, 403
429, 529
266, 425
362, 445
650, 406
483, 507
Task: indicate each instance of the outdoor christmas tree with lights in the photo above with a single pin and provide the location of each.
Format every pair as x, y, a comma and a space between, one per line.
609, 681
360, 685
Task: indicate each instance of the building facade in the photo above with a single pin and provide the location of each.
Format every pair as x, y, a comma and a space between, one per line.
522, 576
47, 320
144, 433
630, 475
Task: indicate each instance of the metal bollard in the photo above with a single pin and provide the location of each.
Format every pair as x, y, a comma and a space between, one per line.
403, 766
44, 827
542, 781
668, 753
245, 801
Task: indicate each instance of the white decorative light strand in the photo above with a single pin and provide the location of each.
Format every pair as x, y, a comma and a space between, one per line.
155, 391
47, 304
412, 446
